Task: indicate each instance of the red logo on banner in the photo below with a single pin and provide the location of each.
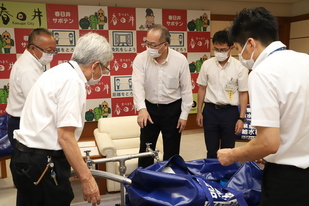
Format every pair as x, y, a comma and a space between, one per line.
6, 64
59, 59
2, 109
21, 37
123, 107
140, 41
198, 41
193, 82
122, 64
121, 18
100, 90
62, 16
174, 20
101, 32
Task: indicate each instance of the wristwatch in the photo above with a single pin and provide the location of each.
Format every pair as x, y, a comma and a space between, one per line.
242, 119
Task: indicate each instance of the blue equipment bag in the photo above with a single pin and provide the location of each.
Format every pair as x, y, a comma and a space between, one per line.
198, 183
5, 145
248, 180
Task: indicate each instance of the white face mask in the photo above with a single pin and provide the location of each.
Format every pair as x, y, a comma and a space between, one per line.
95, 81
247, 63
45, 58
154, 53
221, 56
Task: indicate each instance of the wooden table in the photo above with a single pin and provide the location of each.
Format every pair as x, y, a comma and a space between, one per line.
3, 166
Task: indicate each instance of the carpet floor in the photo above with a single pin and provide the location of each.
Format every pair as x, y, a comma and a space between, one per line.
109, 202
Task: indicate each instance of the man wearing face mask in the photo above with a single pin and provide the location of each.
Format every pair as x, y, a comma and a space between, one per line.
26, 70
223, 85
279, 100
51, 123
162, 93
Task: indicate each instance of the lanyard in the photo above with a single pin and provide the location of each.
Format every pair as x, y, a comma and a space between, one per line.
71, 65
280, 49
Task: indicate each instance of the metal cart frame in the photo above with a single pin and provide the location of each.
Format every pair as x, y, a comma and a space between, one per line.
122, 179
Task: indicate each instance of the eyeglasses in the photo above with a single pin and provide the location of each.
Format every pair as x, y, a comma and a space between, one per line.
153, 46
106, 69
221, 50
45, 51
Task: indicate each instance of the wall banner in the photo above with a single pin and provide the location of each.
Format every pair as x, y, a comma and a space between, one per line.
124, 28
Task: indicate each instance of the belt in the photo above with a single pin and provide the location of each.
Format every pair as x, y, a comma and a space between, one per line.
162, 105
15, 117
54, 153
219, 106
280, 167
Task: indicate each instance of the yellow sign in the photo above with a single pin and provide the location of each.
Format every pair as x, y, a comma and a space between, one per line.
22, 15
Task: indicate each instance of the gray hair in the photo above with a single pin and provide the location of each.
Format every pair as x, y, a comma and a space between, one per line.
90, 48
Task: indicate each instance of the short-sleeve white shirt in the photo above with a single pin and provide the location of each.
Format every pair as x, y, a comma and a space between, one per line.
26, 70
56, 100
223, 84
279, 97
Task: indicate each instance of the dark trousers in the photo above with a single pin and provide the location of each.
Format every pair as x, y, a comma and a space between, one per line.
284, 185
27, 168
13, 124
219, 128
165, 118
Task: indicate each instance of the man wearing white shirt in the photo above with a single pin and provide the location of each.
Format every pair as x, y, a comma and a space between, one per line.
52, 121
26, 70
223, 86
279, 99
162, 93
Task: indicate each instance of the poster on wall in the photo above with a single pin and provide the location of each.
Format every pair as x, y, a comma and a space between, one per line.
174, 20
93, 17
122, 64
146, 17
25, 15
62, 16
121, 18
248, 132
124, 28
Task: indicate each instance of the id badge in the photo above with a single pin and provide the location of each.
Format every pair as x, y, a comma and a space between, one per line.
230, 95
230, 89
